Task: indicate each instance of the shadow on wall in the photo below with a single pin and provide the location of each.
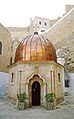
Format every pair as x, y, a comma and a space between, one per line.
4, 78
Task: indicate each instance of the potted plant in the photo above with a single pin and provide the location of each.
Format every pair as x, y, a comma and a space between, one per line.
50, 101
21, 101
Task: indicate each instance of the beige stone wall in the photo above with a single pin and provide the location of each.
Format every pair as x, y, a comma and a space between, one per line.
68, 8
13, 88
18, 32
17, 35
41, 28
59, 85
36, 26
60, 30
28, 71
52, 22
5, 38
61, 34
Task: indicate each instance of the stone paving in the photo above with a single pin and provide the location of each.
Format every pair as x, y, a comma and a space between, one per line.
9, 111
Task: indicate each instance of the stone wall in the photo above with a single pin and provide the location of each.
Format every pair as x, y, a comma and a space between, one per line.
41, 24
68, 8
61, 34
5, 39
17, 35
47, 76
66, 50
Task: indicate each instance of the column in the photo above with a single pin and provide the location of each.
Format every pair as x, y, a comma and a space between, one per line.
20, 72
52, 81
27, 89
44, 89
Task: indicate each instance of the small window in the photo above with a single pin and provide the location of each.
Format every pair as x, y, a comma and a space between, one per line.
66, 83
59, 77
42, 30
39, 22
0, 48
11, 61
45, 24
51, 79
12, 77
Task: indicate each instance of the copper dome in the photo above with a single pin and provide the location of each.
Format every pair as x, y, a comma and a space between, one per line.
35, 48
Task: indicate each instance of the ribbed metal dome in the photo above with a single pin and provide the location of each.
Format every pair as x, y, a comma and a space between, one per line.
35, 48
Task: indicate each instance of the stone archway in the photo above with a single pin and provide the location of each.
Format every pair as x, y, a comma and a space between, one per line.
35, 80
29, 83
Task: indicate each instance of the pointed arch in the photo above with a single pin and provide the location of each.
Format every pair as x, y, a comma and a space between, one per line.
31, 76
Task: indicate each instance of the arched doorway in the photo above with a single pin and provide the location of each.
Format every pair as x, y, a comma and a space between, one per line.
35, 93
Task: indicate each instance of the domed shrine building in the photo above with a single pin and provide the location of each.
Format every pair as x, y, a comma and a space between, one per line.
35, 71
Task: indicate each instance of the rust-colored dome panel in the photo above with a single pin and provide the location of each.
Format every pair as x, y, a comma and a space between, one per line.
35, 48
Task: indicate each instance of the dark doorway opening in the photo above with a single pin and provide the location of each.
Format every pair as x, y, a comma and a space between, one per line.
36, 94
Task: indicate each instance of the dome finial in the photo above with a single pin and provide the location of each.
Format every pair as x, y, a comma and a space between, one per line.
35, 33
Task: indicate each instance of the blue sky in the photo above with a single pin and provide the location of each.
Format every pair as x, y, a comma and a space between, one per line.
18, 12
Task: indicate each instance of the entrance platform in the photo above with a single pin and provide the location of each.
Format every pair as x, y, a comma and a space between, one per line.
9, 111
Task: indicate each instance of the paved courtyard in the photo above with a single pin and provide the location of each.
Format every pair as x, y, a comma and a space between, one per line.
9, 111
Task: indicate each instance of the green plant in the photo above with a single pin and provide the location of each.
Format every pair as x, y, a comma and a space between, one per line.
21, 97
50, 97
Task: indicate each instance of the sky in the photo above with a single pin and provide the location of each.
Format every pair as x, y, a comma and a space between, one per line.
17, 13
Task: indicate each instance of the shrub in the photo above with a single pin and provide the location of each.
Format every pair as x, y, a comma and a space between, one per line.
21, 97
50, 97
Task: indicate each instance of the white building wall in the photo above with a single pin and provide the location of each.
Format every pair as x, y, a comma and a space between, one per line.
4, 78
70, 98
71, 84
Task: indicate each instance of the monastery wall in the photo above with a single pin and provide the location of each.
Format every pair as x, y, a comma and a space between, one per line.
61, 34
5, 39
61, 29
17, 35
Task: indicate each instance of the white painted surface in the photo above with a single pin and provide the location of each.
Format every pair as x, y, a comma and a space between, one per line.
44, 89
70, 89
61, 61
4, 78
27, 89
71, 84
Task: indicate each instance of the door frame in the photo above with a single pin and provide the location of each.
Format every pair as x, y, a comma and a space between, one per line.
31, 81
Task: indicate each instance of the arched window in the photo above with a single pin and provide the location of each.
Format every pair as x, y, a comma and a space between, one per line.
39, 22
12, 77
45, 23
0, 47
59, 77
66, 83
